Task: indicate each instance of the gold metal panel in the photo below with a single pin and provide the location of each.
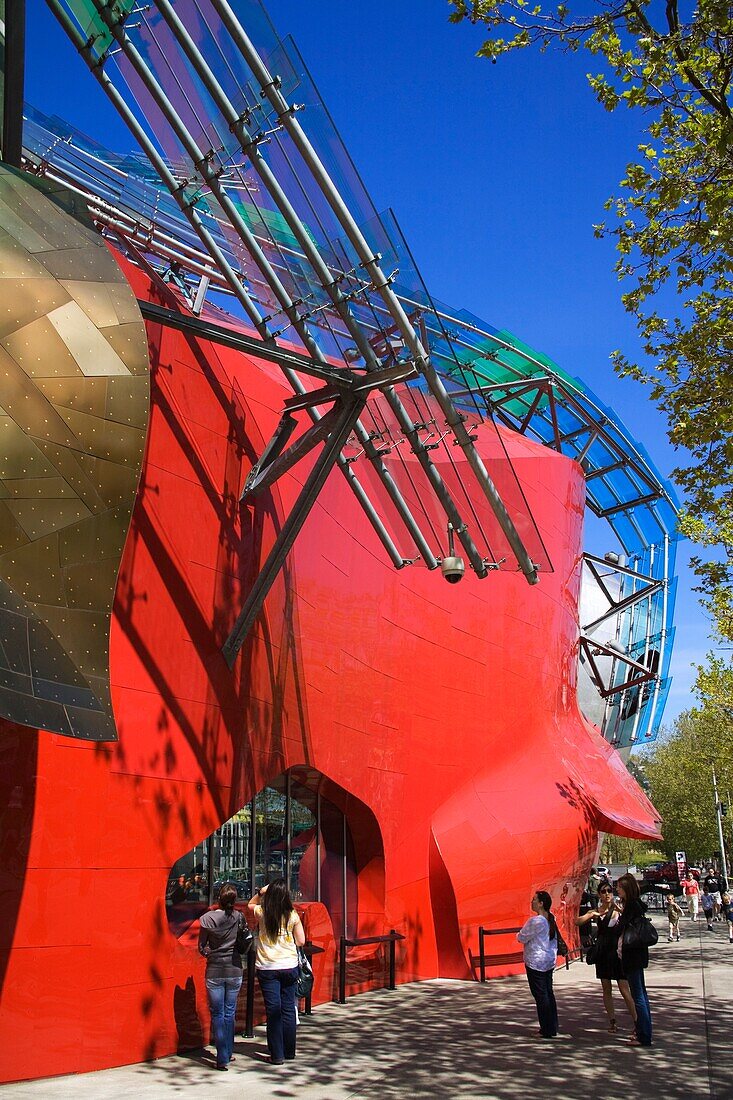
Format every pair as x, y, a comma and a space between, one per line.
123, 398
71, 466
16, 263
24, 301
91, 541
27, 406
41, 487
118, 481
74, 381
39, 350
105, 438
95, 300
88, 395
19, 457
36, 573
126, 341
85, 342
40, 517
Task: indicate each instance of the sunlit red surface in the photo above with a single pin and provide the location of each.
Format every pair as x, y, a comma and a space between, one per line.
445, 718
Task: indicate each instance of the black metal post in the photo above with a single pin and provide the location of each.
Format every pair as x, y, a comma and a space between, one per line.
14, 77
482, 954
342, 971
249, 1020
392, 959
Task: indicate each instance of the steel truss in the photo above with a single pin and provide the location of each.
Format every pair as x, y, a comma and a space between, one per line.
209, 174
369, 322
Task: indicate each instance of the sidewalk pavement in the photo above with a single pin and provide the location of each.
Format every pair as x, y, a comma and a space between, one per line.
442, 1039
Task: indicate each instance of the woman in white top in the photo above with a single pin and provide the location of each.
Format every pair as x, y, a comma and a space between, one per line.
280, 934
539, 936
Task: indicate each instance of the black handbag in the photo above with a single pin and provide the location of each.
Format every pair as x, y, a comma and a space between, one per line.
243, 942
304, 984
640, 933
591, 955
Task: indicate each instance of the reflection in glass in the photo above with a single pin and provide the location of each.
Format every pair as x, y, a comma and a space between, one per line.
270, 836
303, 843
287, 831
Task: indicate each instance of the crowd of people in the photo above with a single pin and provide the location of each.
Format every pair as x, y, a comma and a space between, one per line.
619, 951
620, 946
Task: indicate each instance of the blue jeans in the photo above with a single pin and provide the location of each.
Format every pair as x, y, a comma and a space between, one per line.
540, 984
222, 994
641, 1000
278, 992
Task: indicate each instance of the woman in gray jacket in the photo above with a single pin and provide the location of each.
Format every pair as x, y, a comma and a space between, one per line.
218, 945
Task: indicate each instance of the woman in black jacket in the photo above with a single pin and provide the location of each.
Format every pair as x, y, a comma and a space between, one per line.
634, 958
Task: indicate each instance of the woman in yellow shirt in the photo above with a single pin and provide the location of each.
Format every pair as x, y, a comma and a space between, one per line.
280, 934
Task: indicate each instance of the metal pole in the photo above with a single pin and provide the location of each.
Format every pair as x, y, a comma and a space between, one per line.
719, 817
210, 868
14, 80
308, 948
344, 876
482, 954
392, 982
342, 971
249, 1022
318, 845
288, 829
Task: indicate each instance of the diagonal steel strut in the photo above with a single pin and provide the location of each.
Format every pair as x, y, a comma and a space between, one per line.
347, 411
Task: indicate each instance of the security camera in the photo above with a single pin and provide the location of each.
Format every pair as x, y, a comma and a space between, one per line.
453, 569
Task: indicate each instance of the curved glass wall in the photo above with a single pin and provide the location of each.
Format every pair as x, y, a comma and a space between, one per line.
289, 830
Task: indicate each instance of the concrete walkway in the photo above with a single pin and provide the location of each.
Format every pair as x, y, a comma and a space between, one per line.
444, 1039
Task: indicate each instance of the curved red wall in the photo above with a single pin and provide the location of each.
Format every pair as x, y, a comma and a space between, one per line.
450, 712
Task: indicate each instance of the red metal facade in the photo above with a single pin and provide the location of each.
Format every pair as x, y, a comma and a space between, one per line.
444, 717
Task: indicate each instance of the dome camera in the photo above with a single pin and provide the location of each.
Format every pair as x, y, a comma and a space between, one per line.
453, 569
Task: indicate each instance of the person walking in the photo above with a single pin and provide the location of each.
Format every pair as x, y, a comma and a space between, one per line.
692, 894
706, 900
594, 882
218, 944
607, 962
715, 885
727, 911
634, 959
280, 935
674, 914
538, 935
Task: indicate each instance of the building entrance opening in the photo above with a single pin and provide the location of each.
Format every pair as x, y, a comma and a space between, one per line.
302, 827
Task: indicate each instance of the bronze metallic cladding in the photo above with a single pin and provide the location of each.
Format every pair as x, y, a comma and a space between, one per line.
74, 402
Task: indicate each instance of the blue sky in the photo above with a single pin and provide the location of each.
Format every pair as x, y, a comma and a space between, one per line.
496, 173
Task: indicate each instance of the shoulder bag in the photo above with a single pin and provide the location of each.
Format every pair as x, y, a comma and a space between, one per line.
640, 933
304, 984
244, 938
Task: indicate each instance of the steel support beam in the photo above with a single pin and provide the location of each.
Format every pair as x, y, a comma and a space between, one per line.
348, 412
593, 649
230, 338
14, 81
381, 284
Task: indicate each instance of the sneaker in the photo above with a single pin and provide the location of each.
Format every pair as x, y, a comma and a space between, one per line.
669, 939
710, 928
679, 938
